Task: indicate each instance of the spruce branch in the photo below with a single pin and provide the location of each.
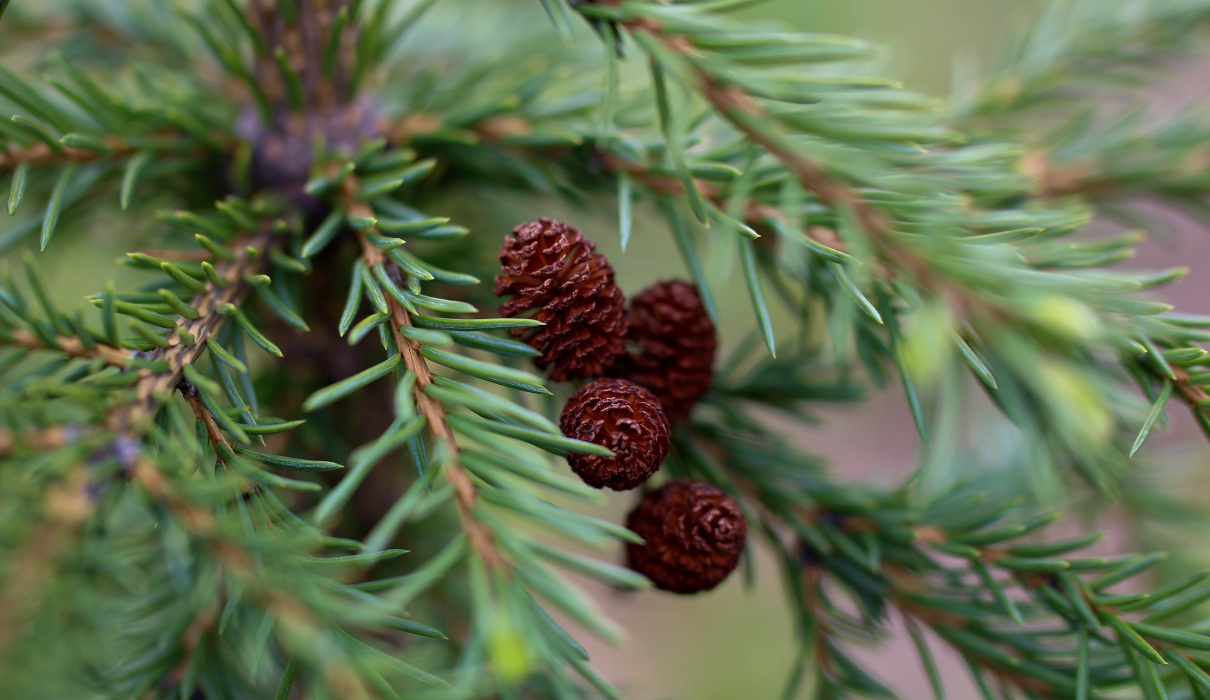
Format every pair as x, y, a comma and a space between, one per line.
305, 52
494, 131
1054, 84
479, 535
866, 546
1129, 159
176, 555
187, 340
39, 154
42, 440
743, 112
71, 346
880, 220
986, 584
66, 509
1074, 50
292, 614
203, 415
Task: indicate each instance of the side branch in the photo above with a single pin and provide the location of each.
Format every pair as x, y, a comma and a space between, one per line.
187, 341
490, 130
72, 347
42, 154
296, 38
465, 493
40, 440
213, 431
742, 111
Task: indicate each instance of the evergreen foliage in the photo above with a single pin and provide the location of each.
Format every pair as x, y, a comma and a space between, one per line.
211, 470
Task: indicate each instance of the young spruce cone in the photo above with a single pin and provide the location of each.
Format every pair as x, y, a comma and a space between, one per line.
694, 535
627, 419
676, 340
549, 266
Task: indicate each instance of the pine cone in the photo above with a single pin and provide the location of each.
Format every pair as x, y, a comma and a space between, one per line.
677, 342
694, 535
549, 266
627, 419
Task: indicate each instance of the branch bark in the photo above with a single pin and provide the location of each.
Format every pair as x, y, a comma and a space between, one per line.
302, 33
154, 388
73, 347
465, 493
42, 154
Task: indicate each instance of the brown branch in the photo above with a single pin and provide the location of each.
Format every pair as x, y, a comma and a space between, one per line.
741, 110
65, 508
465, 494
303, 41
73, 347
299, 620
755, 214
1054, 181
402, 131
38, 440
156, 387
1093, 177
213, 431
42, 154
1192, 394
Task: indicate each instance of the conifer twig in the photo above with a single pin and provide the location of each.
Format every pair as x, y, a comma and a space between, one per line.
297, 38
465, 493
1193, 394
187, 341
41, 439
42, 154
240, 562
403, 130
73, 347
743, 113
755, 214
65, 508
203, 415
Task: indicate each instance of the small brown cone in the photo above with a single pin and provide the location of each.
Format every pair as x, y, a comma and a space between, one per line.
676, 346
551, 269
627, 419
694, 535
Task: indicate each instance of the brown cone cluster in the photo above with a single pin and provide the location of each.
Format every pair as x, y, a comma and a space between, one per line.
551, 269
694, 535
628, 420
676, 346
